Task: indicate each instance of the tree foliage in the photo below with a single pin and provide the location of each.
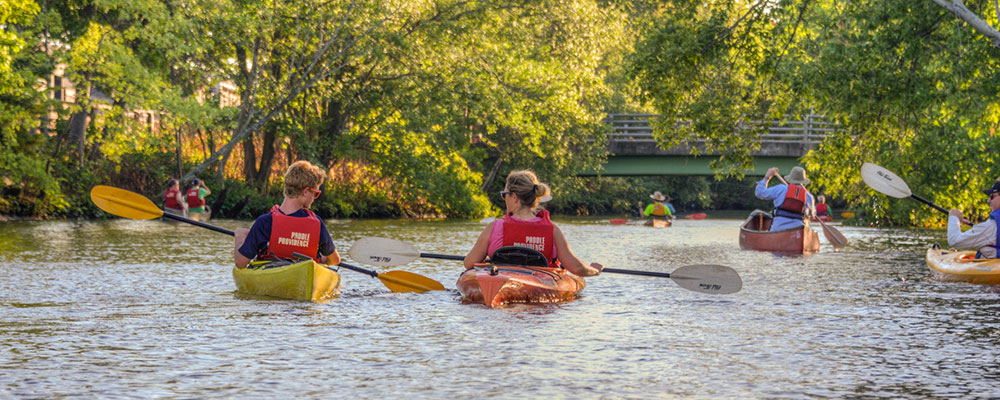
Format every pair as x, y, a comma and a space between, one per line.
913, 86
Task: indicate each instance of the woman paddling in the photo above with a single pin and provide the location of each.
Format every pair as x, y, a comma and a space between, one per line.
524, 226
173, 201
291, 227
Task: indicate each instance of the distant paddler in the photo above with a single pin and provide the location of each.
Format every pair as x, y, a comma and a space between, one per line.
173, 199
660, 208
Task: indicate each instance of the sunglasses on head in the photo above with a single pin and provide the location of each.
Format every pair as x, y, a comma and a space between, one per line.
504, 193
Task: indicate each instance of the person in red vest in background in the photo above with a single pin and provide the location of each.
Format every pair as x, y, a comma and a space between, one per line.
822, 210
290, 227
196, 200
526, 226
173, 200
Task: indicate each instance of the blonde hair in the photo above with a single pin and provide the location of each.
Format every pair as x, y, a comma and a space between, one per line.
821, 198
526, 186
301, 175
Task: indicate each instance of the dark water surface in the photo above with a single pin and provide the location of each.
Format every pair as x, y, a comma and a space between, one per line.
141, 309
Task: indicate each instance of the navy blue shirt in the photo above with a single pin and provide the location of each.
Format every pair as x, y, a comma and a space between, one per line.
260, 234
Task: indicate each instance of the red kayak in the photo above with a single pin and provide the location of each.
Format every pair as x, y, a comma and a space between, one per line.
696, 216
496, 285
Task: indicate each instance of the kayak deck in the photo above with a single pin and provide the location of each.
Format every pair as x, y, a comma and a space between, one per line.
962, 266
497, 285
304, 280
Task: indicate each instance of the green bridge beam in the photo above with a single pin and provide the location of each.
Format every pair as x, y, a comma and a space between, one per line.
683, 165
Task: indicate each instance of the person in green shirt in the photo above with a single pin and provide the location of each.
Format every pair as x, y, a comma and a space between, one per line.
659, 209
197, 209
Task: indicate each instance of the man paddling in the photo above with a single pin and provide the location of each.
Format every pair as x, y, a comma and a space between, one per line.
660, 208
792, 203
983, 235
291, 227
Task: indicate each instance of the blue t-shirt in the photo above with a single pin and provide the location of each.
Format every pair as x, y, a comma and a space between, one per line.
260, 234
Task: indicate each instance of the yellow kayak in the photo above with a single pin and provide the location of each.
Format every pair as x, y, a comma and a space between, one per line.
303, 280
962, 266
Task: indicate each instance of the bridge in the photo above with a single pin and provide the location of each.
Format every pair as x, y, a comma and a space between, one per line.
633, 150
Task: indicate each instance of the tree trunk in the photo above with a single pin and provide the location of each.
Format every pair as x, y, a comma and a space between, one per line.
249, 159
493, 174
180, 165
266, 155
77, 132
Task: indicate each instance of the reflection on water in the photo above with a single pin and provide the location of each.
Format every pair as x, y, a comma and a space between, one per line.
147, 309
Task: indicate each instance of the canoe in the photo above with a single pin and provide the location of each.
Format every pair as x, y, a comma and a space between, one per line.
658, 223
825, 218
303, 280
962, 266
496, 285
754, 235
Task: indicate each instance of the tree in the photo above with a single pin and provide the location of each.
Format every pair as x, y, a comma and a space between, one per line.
914, 89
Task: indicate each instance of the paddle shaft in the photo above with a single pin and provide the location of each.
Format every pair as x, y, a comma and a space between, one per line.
611, 270
928, 202
631, 272
231, 233
199, 223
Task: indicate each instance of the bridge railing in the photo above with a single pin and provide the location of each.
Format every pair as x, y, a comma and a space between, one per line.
810, 131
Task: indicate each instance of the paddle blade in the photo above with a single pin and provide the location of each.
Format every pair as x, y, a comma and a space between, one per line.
383, 252
124, 203
884, 181
705, 278
833, 235
405, 282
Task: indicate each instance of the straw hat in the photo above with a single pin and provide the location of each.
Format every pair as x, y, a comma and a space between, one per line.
798, 175
657, 196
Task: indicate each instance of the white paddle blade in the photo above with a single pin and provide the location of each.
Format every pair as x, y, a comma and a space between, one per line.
706, 278
383, 252
884, 181
487, 220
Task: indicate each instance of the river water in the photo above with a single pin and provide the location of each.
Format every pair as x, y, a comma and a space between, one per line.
141, 309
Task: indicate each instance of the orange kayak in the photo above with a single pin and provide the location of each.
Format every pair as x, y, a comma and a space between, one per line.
496, 285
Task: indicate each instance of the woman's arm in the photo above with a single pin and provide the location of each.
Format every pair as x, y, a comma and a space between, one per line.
569, 260
478, 252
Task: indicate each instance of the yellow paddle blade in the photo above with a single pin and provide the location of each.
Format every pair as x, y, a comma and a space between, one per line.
124, 203
404, 282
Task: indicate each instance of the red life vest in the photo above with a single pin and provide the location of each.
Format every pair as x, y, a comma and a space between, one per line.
795, 202
533, 235
170, 199
821, 209
293, 235
193, 200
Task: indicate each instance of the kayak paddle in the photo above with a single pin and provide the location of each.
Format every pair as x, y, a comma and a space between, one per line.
833, 235
703, 278
889, 184
126, 204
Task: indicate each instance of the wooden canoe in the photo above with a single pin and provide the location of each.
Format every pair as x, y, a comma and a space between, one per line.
754, 235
